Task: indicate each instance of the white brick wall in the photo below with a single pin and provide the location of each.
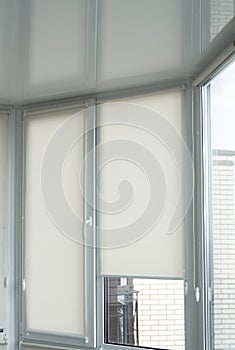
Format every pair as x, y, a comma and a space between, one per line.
221, 12
224, 252
161, 313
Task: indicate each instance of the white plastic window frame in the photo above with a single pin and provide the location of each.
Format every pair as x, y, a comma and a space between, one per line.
7, 240
204, 96
30, 337
195, 332
191, 320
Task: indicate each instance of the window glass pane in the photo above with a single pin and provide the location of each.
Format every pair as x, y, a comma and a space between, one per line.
54, 263
145, 312
223, 207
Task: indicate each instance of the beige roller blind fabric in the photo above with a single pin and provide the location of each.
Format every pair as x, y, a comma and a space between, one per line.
54, 263
139, 176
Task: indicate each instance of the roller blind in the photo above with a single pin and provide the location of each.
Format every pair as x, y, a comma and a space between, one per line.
149, 39
54, 261
140, 170
6, 67
55, 46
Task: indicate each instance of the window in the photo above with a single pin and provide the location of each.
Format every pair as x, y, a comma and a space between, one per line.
145, 312
221, 198
142, 264
57, 276
61, 172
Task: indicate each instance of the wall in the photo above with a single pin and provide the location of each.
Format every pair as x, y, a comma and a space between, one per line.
224, 252
221, 12
161, 313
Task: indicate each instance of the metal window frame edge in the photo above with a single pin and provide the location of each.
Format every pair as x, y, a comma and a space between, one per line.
8, 244
13, 237
188, 133
206, 215
200, 243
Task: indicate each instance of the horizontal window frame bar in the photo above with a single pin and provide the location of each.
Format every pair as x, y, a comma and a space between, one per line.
53, 339
144, 277
107, 94
109, 346
5, 110
50, 107
161, 87
46, 345
213, 50
216, 65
